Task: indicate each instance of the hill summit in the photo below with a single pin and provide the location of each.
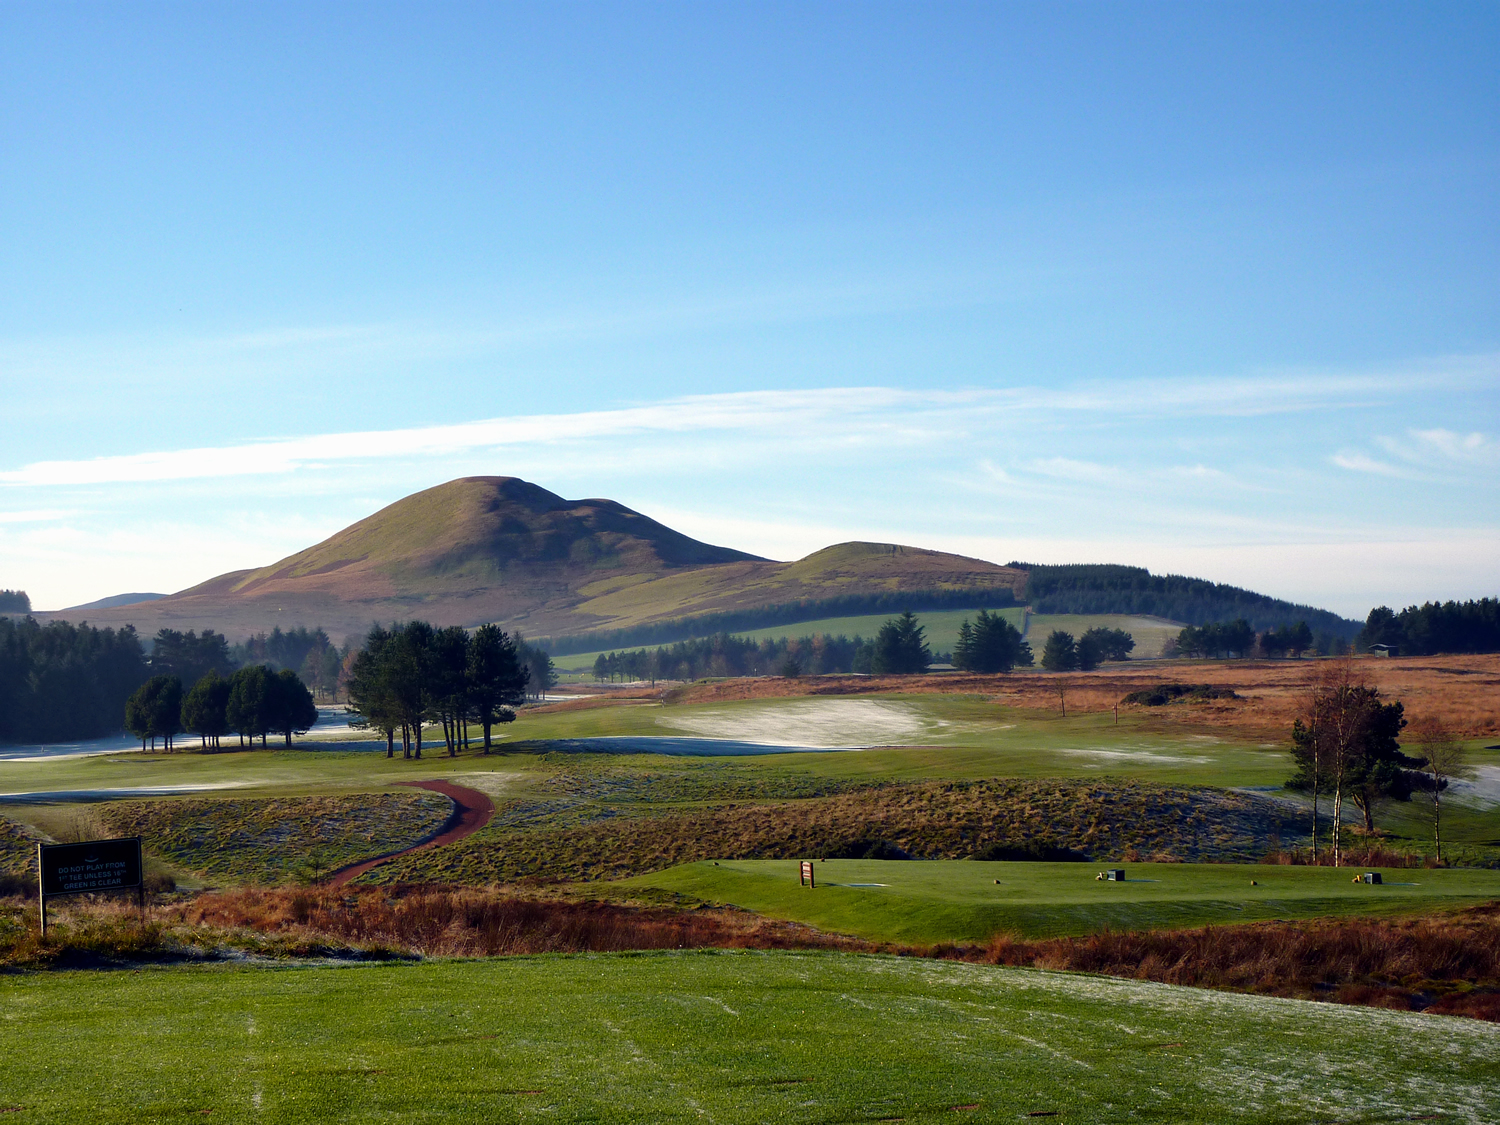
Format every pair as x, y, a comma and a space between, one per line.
502, 549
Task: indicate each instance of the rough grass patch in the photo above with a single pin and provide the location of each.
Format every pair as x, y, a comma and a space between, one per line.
281, 839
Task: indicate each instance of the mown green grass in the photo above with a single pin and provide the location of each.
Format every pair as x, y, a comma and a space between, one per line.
960, 900
962, 737
721, 1036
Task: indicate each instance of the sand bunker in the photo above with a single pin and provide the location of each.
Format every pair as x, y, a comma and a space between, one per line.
828, 723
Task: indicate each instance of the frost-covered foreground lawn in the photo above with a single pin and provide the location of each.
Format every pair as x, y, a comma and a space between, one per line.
713, 1037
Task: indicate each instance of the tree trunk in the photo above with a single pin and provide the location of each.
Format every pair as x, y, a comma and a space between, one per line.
390, 743
417, 733
1338, 821
1317, 783
1437, 833
485, 720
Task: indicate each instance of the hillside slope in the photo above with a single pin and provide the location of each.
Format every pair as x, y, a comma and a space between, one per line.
504, 550
594, 574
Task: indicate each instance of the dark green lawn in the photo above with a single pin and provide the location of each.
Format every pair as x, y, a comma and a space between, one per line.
731, 1037
960, 900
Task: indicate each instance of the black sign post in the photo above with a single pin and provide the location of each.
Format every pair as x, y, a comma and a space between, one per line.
94, 865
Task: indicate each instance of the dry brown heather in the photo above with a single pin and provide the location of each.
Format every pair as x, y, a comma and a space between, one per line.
1447, 964
930, 820
445, 921
1464, 690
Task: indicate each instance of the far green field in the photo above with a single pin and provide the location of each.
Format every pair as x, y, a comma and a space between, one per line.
1150, 633
966, 901
929, 736
717, 1036
941, 628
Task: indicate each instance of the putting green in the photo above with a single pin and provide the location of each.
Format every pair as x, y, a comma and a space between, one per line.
961, 900
712, 1036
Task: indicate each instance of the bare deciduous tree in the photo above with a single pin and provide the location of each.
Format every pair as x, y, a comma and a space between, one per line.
1447, 759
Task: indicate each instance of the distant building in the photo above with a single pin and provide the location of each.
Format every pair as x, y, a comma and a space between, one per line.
1384, 650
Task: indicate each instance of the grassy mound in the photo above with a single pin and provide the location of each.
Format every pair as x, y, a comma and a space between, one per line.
935, 820
17, 850
277, 840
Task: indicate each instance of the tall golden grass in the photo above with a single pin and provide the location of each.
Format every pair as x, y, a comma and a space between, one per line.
1448, 965
1462, 689
444, 921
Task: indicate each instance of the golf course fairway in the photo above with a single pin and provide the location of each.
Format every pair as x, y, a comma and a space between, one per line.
716, 1036
969, 901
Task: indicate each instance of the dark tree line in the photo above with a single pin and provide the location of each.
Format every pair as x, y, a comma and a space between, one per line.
412, 674
1062, 653
725, 655
308, 652
190, 656
899, 648
663, 634
14, 601
541, 676
1436, 627
62, 681
991, 644
1095, 589
1239, 639
253, 702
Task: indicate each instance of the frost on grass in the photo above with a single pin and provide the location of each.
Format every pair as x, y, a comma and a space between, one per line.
1260, 1054
17, 850
280, 839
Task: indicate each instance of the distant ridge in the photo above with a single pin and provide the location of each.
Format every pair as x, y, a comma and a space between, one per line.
503, 550
116, 600
1108, 588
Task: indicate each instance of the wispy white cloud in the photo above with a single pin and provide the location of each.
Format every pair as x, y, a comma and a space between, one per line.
1357, 462
35, 516
1475, 449
849, 415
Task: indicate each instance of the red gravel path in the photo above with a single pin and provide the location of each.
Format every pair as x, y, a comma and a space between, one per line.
472, 812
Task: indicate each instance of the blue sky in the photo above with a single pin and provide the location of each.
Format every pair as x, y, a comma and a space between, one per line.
1207, 288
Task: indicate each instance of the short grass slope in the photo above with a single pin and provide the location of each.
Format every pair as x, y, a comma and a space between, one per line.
713, 1036
970, 901
17, 850
277, 840
933, 820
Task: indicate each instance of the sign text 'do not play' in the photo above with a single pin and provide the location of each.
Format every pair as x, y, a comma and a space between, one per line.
98, 865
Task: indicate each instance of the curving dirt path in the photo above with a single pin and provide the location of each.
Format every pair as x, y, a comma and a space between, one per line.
471, 812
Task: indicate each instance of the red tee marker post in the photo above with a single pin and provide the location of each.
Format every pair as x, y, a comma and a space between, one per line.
806, 878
